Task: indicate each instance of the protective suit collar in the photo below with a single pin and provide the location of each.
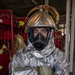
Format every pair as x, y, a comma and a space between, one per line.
45, 52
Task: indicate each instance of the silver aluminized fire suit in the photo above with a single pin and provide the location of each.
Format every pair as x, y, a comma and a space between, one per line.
27, 59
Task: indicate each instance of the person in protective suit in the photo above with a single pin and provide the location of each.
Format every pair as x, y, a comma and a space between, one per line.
40, 56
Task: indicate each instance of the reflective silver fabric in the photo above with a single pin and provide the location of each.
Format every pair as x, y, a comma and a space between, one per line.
26, 60
41, 18
43, 15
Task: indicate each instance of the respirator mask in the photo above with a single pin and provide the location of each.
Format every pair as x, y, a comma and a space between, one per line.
39, 41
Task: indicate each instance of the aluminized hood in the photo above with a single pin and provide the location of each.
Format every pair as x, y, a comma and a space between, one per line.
45, 52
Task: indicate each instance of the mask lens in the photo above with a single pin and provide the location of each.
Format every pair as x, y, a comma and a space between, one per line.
40, 40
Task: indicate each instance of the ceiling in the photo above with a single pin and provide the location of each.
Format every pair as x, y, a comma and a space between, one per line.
20, 8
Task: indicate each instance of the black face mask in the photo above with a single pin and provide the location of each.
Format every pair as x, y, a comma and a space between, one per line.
39, 42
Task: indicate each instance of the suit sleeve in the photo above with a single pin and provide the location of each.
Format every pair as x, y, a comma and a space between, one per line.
18, 66
62, 65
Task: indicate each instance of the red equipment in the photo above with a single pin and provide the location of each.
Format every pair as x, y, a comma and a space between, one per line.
6, 38
58, 40
8, 30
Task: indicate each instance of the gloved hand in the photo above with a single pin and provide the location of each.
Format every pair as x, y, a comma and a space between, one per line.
44, 71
